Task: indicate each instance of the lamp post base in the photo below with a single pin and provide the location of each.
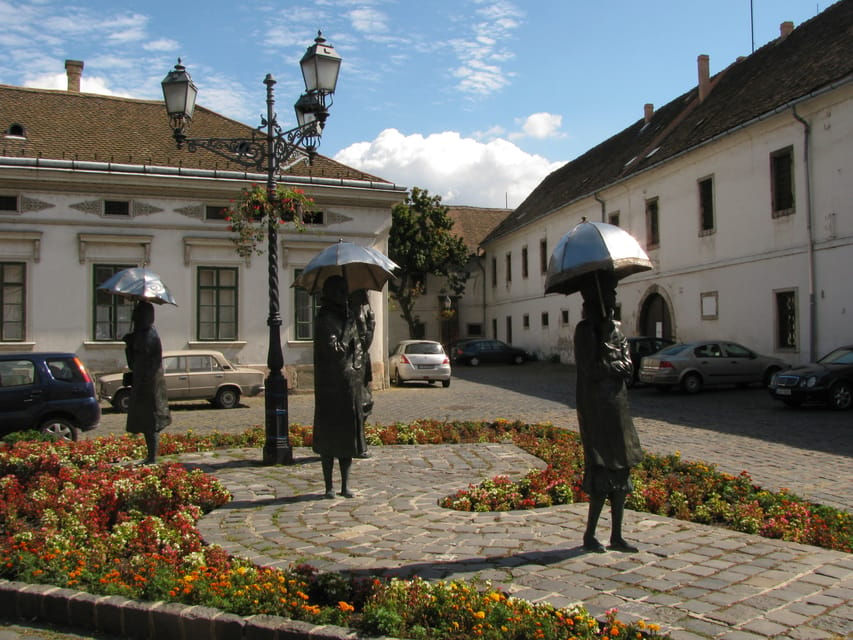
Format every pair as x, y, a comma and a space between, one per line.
277, 448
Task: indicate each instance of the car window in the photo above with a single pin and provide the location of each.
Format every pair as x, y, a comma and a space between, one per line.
708, 351
674, 350
737, 351
17, 373
200, 363
174, 364
424, 348
839, 356
63, 369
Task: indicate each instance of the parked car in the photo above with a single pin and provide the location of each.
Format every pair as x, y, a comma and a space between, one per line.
641, 346
476, 351
828, 381
419, 360
192, 375
50, 392
694, 365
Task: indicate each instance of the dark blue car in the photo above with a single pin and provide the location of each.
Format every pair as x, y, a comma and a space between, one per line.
50, 392
481, 350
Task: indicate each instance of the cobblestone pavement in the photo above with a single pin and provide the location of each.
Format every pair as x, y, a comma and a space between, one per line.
701, 582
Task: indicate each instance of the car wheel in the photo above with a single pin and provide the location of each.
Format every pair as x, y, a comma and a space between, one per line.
227, 398
518, 359
396, 380
692, 383
60, 429
840, 396
121, 401
474, 361
768, 375
445, 383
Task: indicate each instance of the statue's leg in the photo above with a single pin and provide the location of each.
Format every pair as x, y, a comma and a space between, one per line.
617, 507
345, 464
328, 465
152, 443
596, 504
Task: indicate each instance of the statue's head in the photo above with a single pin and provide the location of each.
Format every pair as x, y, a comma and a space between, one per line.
143, 315
599, 294
335, 291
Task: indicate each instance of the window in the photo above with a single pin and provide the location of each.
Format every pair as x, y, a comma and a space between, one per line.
564, 317
116, 208
494, 272
786, 319
112, 313
652, 224
494, 327
508, 268
217, 303
708, 302
546, 321
8, 203
213, 212
524, 262
305, 308
782, 182
12, 297
706, 206
313, 217
474, 329
543, 255
613, 218
525, 321
509, 329
419, 281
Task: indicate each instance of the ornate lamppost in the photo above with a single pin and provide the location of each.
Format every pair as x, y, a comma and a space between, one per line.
268, 152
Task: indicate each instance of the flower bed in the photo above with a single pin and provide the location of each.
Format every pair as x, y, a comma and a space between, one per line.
81, 515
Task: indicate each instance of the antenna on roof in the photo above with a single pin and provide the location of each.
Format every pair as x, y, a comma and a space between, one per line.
752, 25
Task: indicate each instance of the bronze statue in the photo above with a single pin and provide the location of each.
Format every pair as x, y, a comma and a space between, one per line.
148, 412
338, 410
610, 443
365, 324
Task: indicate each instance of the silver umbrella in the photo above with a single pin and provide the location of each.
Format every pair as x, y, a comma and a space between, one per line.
592, 247
361, 267
139, 283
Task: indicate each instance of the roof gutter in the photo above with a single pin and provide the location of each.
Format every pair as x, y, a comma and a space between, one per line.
791, 104
154, 170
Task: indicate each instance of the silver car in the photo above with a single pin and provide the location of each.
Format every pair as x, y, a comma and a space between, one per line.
419, 360
192, 375
694, 365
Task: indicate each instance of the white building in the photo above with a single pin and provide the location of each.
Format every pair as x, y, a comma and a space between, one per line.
740, 191
90, 184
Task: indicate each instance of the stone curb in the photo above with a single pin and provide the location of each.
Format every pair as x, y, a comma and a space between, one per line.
121, 617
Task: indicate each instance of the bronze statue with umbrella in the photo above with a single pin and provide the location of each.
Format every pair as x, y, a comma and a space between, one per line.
592, 258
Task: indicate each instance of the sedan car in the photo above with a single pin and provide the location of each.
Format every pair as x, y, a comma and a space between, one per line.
50, 392
419, 360
641, 346
479, 350
828, 381
192, 375
694, 365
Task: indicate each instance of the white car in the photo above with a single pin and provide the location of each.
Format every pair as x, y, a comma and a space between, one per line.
422, 360
192, 375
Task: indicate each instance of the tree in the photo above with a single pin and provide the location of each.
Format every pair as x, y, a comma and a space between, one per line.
422, 242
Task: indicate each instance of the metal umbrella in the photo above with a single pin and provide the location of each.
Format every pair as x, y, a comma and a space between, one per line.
592, 247
361, 267
139, 283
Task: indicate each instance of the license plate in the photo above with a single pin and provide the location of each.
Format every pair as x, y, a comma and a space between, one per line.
425, 366
783, 392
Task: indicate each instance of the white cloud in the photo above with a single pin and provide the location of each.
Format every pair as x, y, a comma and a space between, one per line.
461, 170
88, 84
540, 126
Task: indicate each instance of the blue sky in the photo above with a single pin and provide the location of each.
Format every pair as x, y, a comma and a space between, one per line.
474, 100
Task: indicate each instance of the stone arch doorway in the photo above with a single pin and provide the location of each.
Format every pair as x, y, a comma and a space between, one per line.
656, 317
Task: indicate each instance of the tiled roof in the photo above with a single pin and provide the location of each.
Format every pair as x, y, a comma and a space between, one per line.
813, 56
473, 224
88, 127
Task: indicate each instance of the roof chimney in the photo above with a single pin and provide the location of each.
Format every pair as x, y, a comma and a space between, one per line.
648, 112
785, 29
704, 76
74, 69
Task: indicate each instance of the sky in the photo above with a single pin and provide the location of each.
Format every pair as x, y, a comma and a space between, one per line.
476, 101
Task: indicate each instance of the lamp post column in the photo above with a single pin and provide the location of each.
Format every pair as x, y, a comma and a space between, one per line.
277, 447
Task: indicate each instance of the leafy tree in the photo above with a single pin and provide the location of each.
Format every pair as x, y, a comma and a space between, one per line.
422, 242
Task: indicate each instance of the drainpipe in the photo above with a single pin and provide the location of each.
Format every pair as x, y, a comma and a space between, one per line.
601, 202
810, 235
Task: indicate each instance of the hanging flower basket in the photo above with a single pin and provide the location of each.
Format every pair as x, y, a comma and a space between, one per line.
249, 216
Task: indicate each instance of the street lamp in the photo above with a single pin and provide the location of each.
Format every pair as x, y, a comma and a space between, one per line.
320, 67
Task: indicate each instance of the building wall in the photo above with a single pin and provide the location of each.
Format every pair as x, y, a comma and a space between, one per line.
62, 233
749, 256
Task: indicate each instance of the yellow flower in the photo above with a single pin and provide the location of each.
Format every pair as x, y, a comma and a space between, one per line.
345, 606
480, 614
